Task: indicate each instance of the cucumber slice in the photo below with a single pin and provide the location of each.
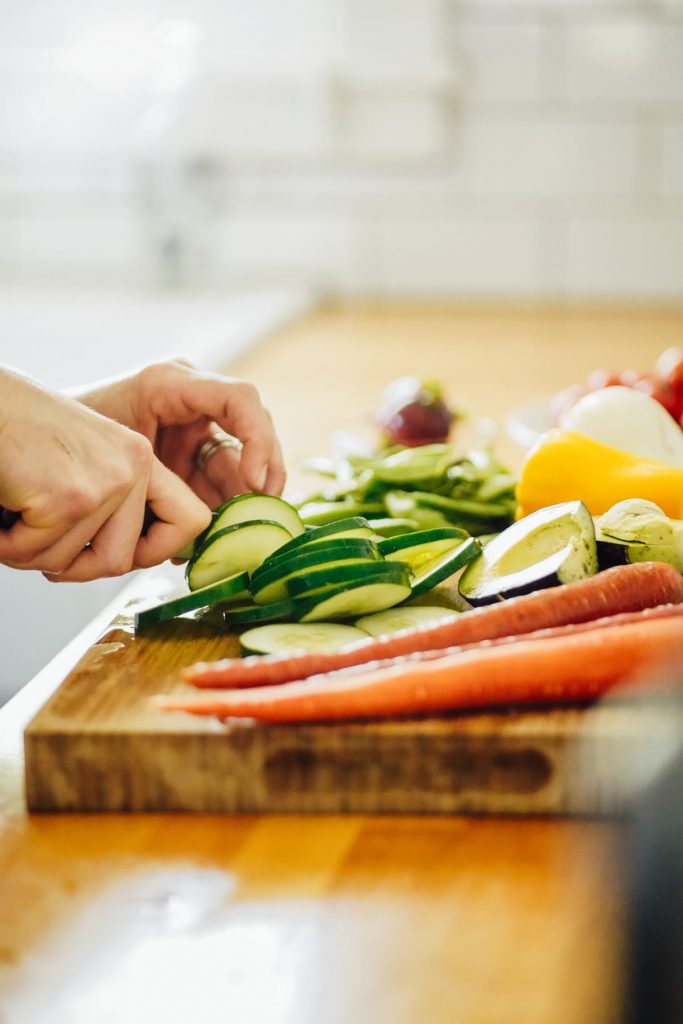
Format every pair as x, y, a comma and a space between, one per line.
393, 527
248, 507
320, 513
348, 601
306, 584
234, 549
405, 617
353, 527
283, 639
440, 569
272, 586
221, 591
248, 614
319, 554
422, 547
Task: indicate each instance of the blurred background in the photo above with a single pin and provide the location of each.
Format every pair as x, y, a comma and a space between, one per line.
522, 149
182, 177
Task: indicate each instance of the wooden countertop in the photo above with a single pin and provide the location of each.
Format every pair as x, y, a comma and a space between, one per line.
272, 919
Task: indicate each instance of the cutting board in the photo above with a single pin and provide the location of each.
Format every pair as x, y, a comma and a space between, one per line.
99, 744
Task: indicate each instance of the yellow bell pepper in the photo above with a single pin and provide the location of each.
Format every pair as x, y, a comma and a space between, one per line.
564, 466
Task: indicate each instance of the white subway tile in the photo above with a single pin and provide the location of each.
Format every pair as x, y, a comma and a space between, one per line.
393, 35
271, 118
671, 158
458, 258
501, 61
504, 8
545, 157
315, 250
625, 58
83, 242
389, 126
627, 258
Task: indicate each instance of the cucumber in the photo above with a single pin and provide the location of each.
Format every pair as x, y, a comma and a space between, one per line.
283, 639
306, 584
319, 554
349, 601
248, 614
393, 527
320, 513
273, 586
353, 527
405, 617
440, 569
248, 507
234, 549
423, 546
554, 545
222, 590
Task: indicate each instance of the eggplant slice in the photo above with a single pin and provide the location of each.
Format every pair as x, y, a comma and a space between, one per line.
551, 546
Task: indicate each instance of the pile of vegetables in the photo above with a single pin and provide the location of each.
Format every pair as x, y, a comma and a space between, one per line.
259, 564
403, 489
664, 385
573, 577
610, 446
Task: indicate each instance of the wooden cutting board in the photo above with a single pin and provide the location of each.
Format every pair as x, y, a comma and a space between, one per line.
99, 744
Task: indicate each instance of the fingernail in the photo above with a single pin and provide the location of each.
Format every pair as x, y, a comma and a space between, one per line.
261, 479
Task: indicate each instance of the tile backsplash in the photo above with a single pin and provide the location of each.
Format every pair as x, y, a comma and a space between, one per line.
523, 149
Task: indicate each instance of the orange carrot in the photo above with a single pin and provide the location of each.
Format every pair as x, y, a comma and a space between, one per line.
621, 589
551, 670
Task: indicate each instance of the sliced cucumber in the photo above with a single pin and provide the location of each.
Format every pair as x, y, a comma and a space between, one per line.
319, 554
406, 617
234, 549
422, 547
393, 527
551, 546
306, 584
274, 585
248, 614
353, 527
283, 639
348, 601
248, 507
440, 569
320, 513
222, 590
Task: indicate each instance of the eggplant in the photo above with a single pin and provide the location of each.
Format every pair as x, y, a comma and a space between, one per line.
636, 530
554, 545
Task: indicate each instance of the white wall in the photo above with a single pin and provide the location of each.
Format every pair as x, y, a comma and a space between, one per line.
479, 148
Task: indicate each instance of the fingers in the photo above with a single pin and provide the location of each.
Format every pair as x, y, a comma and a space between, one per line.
223, 471
180, 517
233, 404
277, 475
53, 545
112, 549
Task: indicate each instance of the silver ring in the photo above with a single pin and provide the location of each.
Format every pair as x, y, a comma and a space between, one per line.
210, 447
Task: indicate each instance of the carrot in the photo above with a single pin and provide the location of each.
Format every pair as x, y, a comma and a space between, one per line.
621, 589
552, 670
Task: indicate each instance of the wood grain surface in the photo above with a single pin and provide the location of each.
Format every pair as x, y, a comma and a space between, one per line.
326, 920
100, 744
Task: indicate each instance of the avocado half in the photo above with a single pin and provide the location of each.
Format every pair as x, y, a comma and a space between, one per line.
551, 546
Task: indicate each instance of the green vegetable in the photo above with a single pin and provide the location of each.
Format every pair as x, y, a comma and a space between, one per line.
428, 486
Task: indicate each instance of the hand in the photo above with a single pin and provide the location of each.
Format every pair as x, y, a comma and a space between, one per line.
178, 408
81, 483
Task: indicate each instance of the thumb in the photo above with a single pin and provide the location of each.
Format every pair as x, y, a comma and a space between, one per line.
179, 517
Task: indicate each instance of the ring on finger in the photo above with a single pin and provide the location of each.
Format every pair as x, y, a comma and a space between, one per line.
214, 444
